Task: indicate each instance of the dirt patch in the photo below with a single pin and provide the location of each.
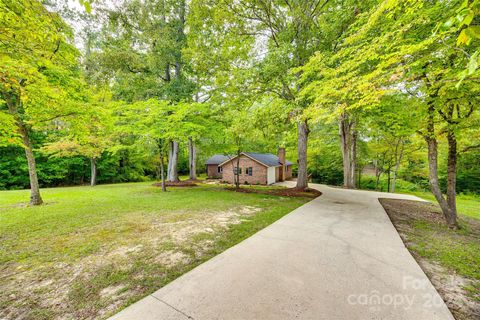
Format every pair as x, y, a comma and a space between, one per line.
407, 211
111, 290
211, 181
451, 288
435, 247
235, 216
185, 183
170, 258
282, 192
87, 288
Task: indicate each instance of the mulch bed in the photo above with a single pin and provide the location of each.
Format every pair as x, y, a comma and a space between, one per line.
287, 192
403, 213
185, 183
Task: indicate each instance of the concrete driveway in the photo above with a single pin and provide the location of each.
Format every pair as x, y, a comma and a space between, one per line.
336, 257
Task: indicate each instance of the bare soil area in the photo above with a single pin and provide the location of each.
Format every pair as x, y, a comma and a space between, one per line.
163, 243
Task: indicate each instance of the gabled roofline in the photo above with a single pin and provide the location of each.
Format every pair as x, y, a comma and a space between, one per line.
216, 163
248, 156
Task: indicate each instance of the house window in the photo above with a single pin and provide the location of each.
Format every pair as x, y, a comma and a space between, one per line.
249, 171
219, 169
237, 170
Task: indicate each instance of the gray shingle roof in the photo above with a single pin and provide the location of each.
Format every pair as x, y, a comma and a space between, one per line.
268, 159
217, 159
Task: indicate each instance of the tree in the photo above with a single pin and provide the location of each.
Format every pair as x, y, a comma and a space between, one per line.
38, 74
142, 45
391, 132
148, 122
89, 135
447, 109
462, 25
237, 134
404, 56
191, 122
336, 93
280, 37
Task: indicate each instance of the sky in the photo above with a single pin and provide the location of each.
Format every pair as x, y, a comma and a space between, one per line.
74, 13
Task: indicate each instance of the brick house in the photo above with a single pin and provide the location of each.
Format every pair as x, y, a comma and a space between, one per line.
253, 168
213, 169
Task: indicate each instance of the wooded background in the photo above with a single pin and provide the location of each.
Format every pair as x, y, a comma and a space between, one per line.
377, 94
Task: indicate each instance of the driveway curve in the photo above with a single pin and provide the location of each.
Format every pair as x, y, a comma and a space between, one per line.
336, 257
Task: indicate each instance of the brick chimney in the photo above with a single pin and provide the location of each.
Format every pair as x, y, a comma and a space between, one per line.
281, 155
281, 159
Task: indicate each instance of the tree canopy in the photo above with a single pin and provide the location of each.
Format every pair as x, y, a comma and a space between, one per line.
115, 91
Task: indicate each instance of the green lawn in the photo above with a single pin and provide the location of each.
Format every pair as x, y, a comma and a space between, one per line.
88, 252
467, 205
201, 176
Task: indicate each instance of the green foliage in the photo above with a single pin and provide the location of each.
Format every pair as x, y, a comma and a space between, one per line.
402, 186
8, 134
89, 134
385, 72
324, 157
468, 176
230, 76
254, 69
75, 170
141, 43
464, 25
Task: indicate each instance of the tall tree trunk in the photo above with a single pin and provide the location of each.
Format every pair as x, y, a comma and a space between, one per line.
167, 73
348, 141
173, 174
343, 127
93, 170
302, 177
359, 183
452, 175
377, 178
353, 154
378, 172
169, 163
237, 172
192, 159
162, 170
181, 37
397, 165
389, 170
449, 214
35, 197
13, 103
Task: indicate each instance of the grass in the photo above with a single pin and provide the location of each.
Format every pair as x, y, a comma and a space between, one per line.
467, 204
200, 176
446, 255
88, 252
